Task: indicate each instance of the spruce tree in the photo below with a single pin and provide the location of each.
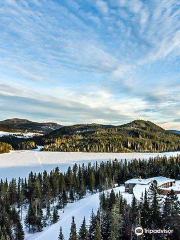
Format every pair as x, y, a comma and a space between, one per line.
13, 192
112, 199
155, 203
5, 224
17, 226
55, 215
71, 195
73, 232
137, 224
103, 201
134, 210
171, 214
83, 233
30, 220
82, 187
39, 221
105, 224
92, 181
92, 227
145, 212
98, 232
48, 214
64, 198
115, 223
61, 236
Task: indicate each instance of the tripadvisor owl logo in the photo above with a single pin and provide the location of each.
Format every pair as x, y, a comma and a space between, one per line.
139, 231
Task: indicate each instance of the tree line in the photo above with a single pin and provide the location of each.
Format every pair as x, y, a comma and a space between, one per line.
117, 220
137, 136
15, 143
5, 147
41, 196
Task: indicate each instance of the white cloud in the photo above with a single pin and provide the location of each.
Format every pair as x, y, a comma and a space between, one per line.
102, 6
94, 52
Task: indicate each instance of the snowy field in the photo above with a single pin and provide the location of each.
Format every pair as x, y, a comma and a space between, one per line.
18, 134
20, 163
79, 210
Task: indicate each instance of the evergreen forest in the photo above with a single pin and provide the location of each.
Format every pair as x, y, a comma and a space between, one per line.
36, 201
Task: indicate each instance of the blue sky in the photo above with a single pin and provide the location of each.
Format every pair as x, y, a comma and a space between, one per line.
90, 61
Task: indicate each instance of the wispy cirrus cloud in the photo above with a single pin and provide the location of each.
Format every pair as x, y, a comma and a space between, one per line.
91, 60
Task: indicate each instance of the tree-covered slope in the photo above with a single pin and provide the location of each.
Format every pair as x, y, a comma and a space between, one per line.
5, 147
139, 135
24, 125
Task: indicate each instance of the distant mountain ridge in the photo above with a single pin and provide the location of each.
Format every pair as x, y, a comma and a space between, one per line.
90, 128
136, 136
24, 125
174, 131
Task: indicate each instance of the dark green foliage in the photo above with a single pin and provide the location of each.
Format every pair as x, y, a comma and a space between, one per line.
98, 232
83, 233
55, 215
10, 224
137, 136
52, 191
171, 214
145, 211
105, 223
5, 147
61, 236
92, 226
27, 145
17, 226
19, 143
122, 225
73, 232
155, 203
31, 219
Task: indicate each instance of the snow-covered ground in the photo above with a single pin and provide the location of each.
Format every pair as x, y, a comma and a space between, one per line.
79, 210
19, 134
19, 163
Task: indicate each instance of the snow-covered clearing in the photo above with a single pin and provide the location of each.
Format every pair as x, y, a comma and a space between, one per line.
19, 134
19, 163
79, 210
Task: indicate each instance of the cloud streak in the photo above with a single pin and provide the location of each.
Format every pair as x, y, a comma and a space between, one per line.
90, 60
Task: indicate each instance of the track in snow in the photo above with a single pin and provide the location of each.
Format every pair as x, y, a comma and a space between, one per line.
77, 209
20, 163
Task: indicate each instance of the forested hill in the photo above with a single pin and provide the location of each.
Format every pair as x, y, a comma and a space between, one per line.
24, 125
139, 136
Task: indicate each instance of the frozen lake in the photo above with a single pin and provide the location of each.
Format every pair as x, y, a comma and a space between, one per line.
21, 163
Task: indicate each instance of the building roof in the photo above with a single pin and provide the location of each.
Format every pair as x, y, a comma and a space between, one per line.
160, 180
136, 181
143, 185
